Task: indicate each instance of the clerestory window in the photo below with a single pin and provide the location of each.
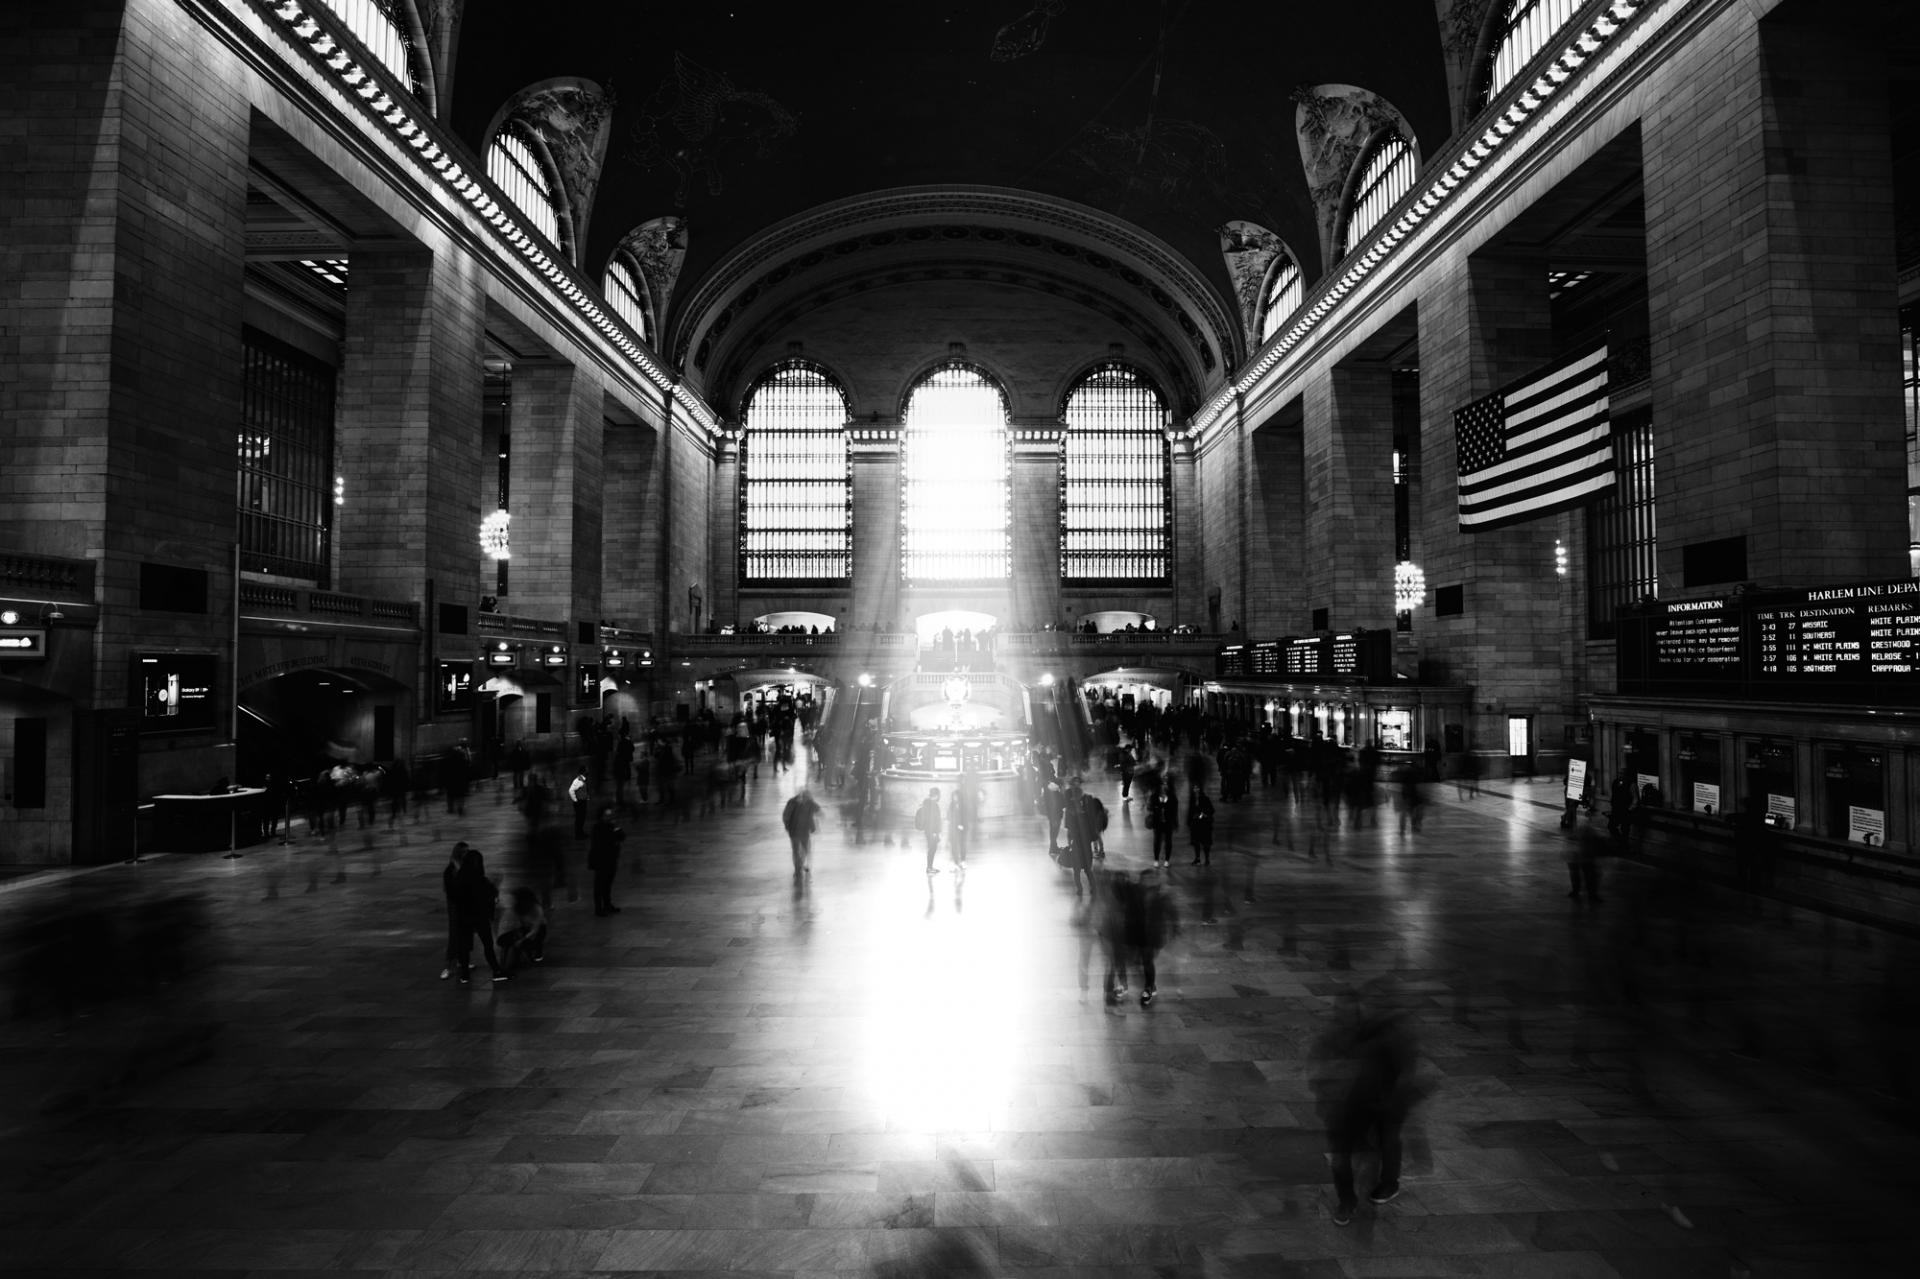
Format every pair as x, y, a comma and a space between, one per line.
627, 295
376, 24
955, 494
1281, 296
796, 493
1389, 173
1113, 487
1529, 25
515, 169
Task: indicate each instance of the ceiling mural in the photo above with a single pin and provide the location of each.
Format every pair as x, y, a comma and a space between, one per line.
572, 117
1026, 33
659, 247
698, 123
1249, 250
1465, 28
1335, 122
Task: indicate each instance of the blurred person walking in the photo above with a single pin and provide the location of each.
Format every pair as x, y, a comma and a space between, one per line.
603, 859
801, 817
927, 821
1200, 826
1366, 1086
471, 898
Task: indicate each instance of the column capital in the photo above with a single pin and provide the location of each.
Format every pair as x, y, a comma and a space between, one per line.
874, 441
1037, 441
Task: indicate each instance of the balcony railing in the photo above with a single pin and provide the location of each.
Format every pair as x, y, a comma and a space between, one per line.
47, 575
332, 606
507, 626
1055, 642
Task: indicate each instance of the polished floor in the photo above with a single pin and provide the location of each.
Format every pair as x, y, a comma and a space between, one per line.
878, 1072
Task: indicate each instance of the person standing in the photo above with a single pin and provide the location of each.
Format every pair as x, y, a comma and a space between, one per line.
801, 817
603, 859
470, 903
1125, 761
1077, 823
1149, 926
519, 761
927, 821
622, 766
1053, 806
1200, 826
1163, 818
577, 791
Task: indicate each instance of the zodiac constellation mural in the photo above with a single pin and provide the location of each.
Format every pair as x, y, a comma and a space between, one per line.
698, 122
1026, 33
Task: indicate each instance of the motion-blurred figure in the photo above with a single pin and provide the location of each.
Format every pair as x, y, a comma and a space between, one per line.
1366, 1085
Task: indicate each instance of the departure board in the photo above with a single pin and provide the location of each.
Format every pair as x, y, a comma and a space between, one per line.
1859, 642
1232, 660
1266, 658
1343, 656
1303, 656
1358, 656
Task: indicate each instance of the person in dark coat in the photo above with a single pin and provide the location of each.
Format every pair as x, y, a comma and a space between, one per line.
603, 859
1366, 1085
1163, 816
1077, 823
1200, 826
801, 817
470, 902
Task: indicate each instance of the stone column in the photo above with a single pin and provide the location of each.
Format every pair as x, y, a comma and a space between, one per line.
1276, 594
1035, 588
630, 525
1771, 283
1188, 561
876, 524
555, 491
1348, 461
723, 534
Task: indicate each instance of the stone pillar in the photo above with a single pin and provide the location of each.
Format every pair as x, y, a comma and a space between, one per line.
1347, 455
1276, 595
1188, 561
407, 431
630, 526
1035, 588
688, 500
1771, 282
1221, 474
876, 524
558, 422
723, 534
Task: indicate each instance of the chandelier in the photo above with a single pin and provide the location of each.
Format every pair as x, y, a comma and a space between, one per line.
1409, 586
493, 535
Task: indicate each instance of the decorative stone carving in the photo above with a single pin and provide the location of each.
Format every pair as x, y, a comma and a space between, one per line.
1464, 35
1334, 123
434, 26
1249, 250
698, 120
573, 117
659, 248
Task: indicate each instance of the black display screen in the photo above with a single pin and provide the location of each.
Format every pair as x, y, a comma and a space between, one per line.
174, 691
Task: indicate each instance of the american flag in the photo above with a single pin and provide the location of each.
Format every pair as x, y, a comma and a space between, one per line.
1541, 445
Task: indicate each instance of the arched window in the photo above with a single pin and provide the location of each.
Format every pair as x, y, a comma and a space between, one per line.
796, 496
1113, 503
1388, 174
515, 169
1529, 25
627, 296
954, 498
375, 24
1281, 297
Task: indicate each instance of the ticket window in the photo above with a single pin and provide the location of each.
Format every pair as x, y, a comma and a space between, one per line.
1641, 759
1856, 795
1699, 760
1770, 783
1396, 730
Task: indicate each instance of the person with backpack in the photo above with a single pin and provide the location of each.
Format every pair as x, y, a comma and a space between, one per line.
927, 821
1200, 826
1096, 820
801, 817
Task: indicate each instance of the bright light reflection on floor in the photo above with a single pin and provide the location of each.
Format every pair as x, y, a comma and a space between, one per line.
950, 1010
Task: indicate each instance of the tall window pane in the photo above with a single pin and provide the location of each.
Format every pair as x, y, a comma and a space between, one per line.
285, 460
955, 495
795, 493
1530, 24
623, 291
1389, 174
374, 24
1114, 481
515, 170
1281, 297
1621, 546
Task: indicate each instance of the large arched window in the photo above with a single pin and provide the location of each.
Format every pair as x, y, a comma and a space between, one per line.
796, 497
626, 294
1113, 502
1529, 25
1281, 296
515, 169
1388, 174
954, 498
377, 25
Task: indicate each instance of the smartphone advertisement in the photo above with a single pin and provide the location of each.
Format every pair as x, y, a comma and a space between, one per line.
174, 691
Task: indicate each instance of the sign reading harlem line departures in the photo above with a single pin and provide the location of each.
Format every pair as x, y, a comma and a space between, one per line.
1779, 642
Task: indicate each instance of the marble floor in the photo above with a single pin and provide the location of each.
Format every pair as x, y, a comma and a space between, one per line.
878, 1072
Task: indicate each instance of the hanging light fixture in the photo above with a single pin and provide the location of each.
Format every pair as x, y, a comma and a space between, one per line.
1409, 586
493, 535
1559, 557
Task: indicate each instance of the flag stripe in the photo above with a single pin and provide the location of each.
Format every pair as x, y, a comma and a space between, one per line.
1516, 513
1545, 477
1527, 470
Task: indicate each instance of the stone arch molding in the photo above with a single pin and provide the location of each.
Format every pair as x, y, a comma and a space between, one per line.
1335, 122
1468, 29
570, 120
1021, 232
657, 249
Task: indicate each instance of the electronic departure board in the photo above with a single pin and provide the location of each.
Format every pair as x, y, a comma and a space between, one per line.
1361, 656
1838, 641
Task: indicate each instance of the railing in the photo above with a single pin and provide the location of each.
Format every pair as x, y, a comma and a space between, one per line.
717, 643
506, 625
266, 597
1054, 642
621, 637
47, 575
